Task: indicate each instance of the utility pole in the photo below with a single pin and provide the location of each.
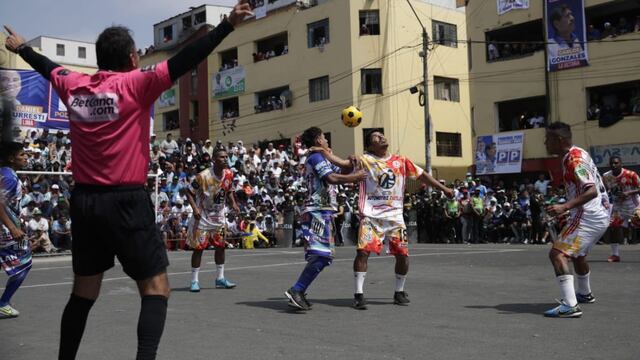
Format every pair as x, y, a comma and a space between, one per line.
425, 93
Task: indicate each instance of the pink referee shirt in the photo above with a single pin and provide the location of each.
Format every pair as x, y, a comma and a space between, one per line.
109, 118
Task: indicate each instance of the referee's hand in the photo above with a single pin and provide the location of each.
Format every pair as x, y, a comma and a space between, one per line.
14, 40
239, 12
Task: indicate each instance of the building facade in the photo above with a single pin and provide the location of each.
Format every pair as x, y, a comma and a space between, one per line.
509, 82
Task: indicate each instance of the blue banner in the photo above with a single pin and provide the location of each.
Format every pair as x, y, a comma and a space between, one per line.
566, 34
36, 104
499, 153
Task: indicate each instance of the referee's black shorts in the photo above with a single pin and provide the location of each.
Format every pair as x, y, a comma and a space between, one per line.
109, 221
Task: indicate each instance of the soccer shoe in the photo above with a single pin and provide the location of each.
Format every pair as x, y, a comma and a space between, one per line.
309, 305
401, 298
585, 299
613, 258
564, 311
359, 302
7, 312
296, 299
224, 284
195, 286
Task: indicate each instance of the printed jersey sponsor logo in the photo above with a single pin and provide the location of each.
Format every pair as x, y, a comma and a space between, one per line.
387, 179
94, 107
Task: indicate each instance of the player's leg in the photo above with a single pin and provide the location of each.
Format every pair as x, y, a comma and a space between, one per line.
398, 247
219, 257
360, 266
196, 260
315, 265
9, 257
583, 291
154, 293
370, 238
568, 304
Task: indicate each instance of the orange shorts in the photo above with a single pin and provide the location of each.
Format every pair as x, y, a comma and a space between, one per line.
373, 233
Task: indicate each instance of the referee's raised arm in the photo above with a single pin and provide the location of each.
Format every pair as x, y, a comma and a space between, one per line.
196, 52
40, 63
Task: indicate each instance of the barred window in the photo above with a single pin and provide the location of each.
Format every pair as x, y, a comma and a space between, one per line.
448, 144
446, 89
369, 22
445, 34
319, 89
371, 80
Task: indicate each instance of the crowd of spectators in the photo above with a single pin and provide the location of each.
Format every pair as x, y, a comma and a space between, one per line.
609, 30
503, 50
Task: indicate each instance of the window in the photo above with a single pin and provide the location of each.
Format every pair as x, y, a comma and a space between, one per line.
60, 49
200, 18
82, 52
318, 33
445, 34
167, 34
516, 41
194, 81
448, 144
271, 47
186, 22
622, 17
367, 131
171, 120
319, 89
371, 80
612, 102
228, 59
469, 54
229, 108
194, 111
446, 89
518, 114
369, 22
273, 99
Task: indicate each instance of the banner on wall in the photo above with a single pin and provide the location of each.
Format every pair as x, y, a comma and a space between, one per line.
566, 34
167, 98
629, 154
36, 105
499, 153
229, 82
508, 5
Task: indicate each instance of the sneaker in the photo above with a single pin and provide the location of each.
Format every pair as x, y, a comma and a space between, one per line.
585, 299
195, 286
564, 311
401, 298
7, 312
224, 284
309, 305
359, 302
613, 258
296, 299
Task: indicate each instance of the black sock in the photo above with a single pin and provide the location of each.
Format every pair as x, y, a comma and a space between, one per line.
74, 319
150, 325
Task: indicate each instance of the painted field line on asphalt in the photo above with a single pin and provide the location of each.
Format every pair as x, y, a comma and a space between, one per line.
283, 264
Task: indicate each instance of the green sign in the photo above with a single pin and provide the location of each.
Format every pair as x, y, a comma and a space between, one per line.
229, 82
167, 98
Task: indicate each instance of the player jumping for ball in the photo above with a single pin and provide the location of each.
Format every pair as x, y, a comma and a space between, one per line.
381, 209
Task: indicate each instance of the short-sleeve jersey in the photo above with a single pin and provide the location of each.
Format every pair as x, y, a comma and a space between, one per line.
10, 195
211, 194
110, 122
321, 195
382, 193
579, 173
627, 181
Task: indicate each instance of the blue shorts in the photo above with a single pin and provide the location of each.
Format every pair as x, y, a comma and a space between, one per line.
318, 233
15, 258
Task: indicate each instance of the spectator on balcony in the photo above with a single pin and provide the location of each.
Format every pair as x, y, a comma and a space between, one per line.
536, 121
609, 31
593, 113
623, 26
593, 33
636, 26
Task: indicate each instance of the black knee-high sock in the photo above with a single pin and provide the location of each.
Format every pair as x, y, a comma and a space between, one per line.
74, 319
150, 325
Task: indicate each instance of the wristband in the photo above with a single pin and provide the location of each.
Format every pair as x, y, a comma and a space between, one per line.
20, 48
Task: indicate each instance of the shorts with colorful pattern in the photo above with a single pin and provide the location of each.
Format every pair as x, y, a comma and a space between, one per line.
373, 233
15, 258
318, 233
200, 239
579, 235
623, 217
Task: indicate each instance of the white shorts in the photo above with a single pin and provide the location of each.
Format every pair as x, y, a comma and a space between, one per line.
580, 234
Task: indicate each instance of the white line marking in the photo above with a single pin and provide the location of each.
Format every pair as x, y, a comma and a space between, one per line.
284, 264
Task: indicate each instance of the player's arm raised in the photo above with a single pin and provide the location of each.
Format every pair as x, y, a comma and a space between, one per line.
345, 165
40, 63
426, 178
196, 52
354, 177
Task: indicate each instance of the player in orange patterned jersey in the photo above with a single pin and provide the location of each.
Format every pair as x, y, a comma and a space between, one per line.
588, 205
624, 189
208, 197
381, 207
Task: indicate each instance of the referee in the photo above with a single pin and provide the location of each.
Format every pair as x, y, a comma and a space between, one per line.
111, 213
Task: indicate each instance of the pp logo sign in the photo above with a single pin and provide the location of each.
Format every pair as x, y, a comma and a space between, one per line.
509, 156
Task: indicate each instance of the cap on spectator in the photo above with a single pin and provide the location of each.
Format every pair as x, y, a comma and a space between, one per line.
153, 135
179, 201
37, 151
208, 141
506, 204
55, 187
252, 210
606, 24
240, 142
37, 211
36, 187
188, 140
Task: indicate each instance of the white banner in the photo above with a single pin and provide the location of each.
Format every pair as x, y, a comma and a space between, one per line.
499, 153
508, 5
629, 154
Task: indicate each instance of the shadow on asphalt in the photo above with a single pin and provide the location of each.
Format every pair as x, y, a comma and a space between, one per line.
280, 304
537, 309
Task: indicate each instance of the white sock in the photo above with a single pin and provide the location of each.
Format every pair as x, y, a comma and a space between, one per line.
615, 249
359, 277
567, 289
220, 269
194, 274
584, 287
400, 279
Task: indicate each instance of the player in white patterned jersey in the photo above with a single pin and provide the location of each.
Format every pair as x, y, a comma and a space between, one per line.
623, 186
589, 208
381, 209
208, 197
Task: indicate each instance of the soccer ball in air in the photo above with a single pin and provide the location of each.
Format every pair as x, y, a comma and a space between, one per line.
351, 116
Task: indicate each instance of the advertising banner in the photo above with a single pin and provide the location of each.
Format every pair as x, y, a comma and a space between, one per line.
508, 5
629, 154
167, 98
228, 82
499, 153
566, 34
36, 105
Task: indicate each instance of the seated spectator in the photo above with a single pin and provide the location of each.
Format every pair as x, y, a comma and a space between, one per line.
608, 31
593, 33
38, 232
253, 238
61, 233
623, 26
593, 113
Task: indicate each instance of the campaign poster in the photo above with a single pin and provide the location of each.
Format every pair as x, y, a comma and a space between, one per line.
228, 82
167, 98
36, 104
499, 153
508, 5
629, 154
566, 34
